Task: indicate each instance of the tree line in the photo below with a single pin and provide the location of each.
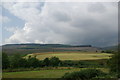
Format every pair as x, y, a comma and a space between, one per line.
17, 61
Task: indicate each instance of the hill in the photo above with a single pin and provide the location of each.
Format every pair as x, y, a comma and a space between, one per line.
113, 48
40, 48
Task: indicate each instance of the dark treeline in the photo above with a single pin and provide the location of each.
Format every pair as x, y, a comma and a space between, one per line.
17, 61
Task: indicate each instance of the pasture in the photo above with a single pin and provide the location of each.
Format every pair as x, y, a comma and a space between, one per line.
38, 74
52, 73
72, 55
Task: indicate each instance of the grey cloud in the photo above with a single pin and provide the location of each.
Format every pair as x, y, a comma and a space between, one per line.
76, 23
61, 16
96, 7
84, 23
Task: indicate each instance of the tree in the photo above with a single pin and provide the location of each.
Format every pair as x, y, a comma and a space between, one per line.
23, 63
54, 61
5, 61
46, 62
18, 62
33, 62
114, 63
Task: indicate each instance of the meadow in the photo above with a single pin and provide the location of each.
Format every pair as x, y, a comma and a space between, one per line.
72, 55
52, 73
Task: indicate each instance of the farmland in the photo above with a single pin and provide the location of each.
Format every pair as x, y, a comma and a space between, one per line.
52, 62
52, 73
72, 55
58, 73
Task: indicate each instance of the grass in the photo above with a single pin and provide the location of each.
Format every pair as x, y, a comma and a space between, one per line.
38, 74
73, 56
52, 73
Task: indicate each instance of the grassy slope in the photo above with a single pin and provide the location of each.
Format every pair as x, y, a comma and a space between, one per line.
55, 73
73, 56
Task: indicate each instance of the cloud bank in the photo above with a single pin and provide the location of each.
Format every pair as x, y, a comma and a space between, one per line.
65, 23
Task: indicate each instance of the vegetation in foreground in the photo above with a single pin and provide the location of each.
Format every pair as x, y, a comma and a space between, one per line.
17, 60
45, 73
86, 74
90, 74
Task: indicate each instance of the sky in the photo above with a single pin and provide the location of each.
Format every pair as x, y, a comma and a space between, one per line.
75, 23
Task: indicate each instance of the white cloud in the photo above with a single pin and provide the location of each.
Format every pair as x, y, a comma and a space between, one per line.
11, 29
4, 19
69, 23
60, 0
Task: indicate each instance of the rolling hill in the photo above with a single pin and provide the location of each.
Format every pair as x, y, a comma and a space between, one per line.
40, 48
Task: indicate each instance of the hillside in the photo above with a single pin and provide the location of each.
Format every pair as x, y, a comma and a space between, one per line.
40, 48
114, 48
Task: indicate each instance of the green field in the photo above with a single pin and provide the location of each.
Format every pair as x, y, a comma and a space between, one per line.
52, 73
73, 55
38, 74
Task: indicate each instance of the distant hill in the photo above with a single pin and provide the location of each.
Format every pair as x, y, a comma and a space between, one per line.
42, 48
43, 45
34, 46
114, 48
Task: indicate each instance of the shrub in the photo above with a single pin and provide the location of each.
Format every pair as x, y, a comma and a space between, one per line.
114, 64
67, 63
86, 74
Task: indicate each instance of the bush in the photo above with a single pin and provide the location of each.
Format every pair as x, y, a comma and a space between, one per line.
107, 51
114, 64
68, 63
86, 74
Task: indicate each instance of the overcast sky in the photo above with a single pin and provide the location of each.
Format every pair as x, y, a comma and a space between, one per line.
62, 23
